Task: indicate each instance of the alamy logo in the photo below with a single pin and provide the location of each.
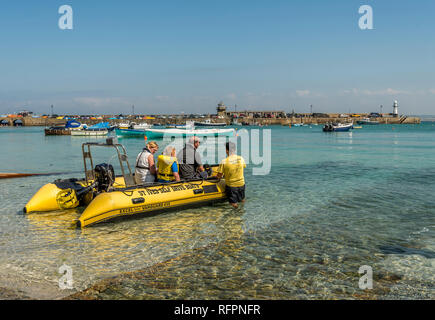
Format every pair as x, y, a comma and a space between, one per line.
366, 21
66, 281
366, 281
66, 20
254, 146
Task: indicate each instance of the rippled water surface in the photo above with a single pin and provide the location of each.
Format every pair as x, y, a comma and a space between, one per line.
332, 203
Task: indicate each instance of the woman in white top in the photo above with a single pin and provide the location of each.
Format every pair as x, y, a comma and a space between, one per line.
145, 171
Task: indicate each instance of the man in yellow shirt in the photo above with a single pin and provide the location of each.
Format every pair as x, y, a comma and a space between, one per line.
231, 169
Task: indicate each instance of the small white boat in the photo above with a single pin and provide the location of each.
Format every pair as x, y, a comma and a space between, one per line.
208, 123
140, 126
367, 121
337, 127
189, 125
90, 132
124, 125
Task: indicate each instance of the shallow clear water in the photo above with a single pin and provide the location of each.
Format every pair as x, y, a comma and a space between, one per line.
331, 203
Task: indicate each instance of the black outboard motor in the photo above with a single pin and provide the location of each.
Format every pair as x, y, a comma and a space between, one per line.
208, 169
104, 176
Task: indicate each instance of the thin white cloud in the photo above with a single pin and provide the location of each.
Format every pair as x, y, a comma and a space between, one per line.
302, 93
162, 98
381, 92
386, 92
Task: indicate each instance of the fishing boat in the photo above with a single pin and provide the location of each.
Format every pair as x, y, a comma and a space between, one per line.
337, 127
124, 125
208, 123
178, 126
129, 133
90, 132
57, 131
99, 129
188, 125
140, 126
367, 121
73, 124
160, 133
105, 196
64, 130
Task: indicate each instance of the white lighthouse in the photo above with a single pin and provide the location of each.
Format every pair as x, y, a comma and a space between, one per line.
395, 109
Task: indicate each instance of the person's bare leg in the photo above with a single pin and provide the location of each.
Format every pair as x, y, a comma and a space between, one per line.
235, 205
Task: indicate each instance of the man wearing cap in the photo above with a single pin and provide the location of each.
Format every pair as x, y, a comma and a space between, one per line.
190, 161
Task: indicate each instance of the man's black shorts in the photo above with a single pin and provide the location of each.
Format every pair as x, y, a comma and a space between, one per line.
235, 194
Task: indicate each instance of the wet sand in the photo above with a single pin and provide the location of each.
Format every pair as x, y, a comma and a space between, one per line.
196, 276
12, 287
199, 274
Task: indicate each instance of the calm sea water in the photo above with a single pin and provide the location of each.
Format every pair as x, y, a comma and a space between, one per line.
332, 203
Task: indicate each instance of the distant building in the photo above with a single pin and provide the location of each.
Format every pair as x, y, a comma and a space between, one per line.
222, 111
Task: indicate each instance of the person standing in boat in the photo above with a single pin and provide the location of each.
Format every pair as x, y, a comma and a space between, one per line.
190, 161
167, 166
145, 170
232, 169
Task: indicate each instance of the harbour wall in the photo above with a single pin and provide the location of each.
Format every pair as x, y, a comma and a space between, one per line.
48, 122
383, 120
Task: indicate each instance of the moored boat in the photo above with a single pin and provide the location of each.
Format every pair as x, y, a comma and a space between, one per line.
90, 132
160, 133
188, 125
337, 127
57, 131
367, 121
140, 126
208, 123
124, 125
63, 130
99, 129
129, 133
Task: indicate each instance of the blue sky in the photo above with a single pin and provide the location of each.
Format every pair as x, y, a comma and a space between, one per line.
186, 56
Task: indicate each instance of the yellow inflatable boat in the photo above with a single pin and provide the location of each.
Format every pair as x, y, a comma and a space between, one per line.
105, 196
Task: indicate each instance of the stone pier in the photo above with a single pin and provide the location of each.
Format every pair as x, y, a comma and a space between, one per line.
48, 122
